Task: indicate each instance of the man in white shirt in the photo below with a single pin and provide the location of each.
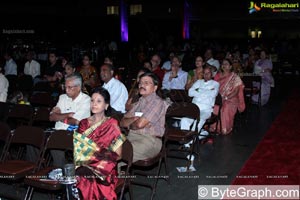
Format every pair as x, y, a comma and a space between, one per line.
117, 90
167, 64
211, 62
176, 78
204, 93
214, 64
10, 66
69, 110
32, 67
3, 87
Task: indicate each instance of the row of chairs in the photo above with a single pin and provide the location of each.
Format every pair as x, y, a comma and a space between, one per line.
172, 135
20, 114
25, 83
250, 89
34, 174
183, 109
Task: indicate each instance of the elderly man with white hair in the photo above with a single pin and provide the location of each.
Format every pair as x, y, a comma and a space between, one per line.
69, 110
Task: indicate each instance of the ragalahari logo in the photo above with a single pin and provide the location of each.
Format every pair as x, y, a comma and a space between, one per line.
253, 7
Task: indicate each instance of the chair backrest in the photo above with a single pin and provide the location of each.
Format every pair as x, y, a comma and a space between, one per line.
179, 96
42, 87
12, 80
4, 109
127, 152
59, 140
183, 109
5, 134
24, 135
4, 131
41, 118
248, 80
127, 156
41, 114
22, 113
25, 82
218, 100
42, 99
29, 135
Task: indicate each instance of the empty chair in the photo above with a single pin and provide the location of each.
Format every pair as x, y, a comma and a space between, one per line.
173, 134
252, 87
59, 139
5, 134
25, 83
4, 109
14, 164
41, 118
20, 114
42, 99
13, 84
124, 181
42, 86
179, 96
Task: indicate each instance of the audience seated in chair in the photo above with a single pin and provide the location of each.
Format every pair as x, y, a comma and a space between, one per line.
134, 91
146, 119
156, 69
97, 147
10, 66
204, 93
195, 74
88, 72
32, 67
231, 90
117, 90
176, 78
70, 109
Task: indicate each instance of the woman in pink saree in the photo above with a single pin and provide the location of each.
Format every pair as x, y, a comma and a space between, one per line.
97, 147
232, 92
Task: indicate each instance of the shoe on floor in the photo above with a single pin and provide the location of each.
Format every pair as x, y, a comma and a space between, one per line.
203, 135
188, 145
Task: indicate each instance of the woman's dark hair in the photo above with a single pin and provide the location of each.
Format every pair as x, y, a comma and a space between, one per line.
87, 55
147, 61
228, 60
70, 64
145, 70
106, 96
153, 76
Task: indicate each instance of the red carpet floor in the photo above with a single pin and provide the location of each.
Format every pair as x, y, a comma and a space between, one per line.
276, 159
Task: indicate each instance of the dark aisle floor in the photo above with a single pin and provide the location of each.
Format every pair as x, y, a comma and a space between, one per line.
219, 163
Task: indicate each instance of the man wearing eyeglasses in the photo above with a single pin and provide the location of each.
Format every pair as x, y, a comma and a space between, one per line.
70, 109
146, 119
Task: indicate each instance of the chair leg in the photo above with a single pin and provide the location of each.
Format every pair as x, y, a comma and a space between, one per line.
122, 190
29, 193
192, 150
166, 167
130, 192
198, 147
156, 179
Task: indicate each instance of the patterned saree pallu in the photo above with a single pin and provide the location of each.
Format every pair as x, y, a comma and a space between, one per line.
84, 149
